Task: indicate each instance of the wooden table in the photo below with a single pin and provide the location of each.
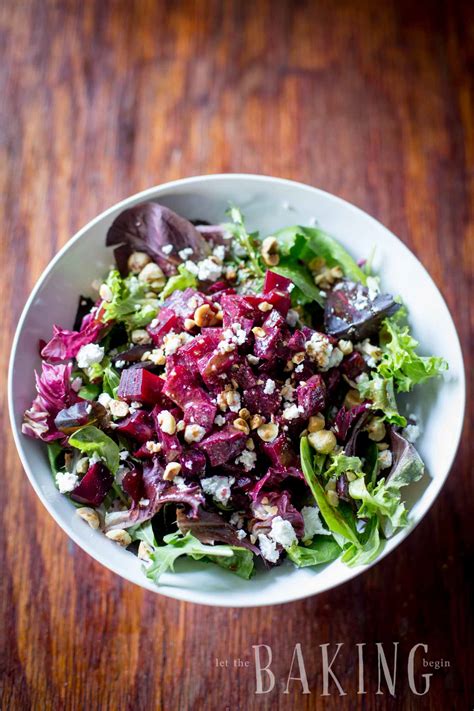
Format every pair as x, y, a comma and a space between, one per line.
369, 100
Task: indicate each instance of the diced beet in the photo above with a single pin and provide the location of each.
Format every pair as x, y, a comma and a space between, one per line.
297, 342
139, 385
223, 445
184, 303
280, 452
193, 462
333, 379
94, 486
276, 281
312, 396
353, 365
258, 401
182, 388
244, 376
137, 425
351, 312
78, 415
280, 301
237, 309
167, 322
132, 484
271, 345
217, 368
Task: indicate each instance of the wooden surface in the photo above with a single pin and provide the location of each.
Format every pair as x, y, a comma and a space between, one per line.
370, 100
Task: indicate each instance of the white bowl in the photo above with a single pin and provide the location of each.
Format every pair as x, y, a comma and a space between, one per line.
268, 204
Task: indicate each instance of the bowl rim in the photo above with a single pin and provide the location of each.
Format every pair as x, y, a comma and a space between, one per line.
187, 595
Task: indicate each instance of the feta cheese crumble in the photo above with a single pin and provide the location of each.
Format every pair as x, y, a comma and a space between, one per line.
248, 459
385, 459
208, 270
312, 523
89, 354
269, 388
292, 412
66, 481
411, 433
268, 548
282, 532
167, 248
185, 253
218, 487
319, 348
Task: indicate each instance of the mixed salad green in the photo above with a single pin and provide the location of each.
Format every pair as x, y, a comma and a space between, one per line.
232, 397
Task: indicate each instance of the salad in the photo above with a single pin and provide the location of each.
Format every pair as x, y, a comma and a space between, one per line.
231, 397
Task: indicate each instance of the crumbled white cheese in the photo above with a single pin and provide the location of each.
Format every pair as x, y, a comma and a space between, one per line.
292, 318
208, 270
411, 433
253, 360
95, 458
319, 348
167, 248
66, 482
191, 267
172, 341
241, 534
373, 284
335, 358
179, 482
219, 252
370, 353
120, 364
89, 354
185, 253
237, 519
269, 388
282, 532
361, 302
312, 523
288, 391
248, 459
104, 399
219, 420
124, 454
385, 459
218, 487
234, 401
268, 548
292, 412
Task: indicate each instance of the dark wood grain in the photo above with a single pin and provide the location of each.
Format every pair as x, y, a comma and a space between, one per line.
99, 99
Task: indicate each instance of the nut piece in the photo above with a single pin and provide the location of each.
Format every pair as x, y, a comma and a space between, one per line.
138, 260
268, 432
265, 306
376, 429
299, 357
244, 413
140, 336
152, 275
346, 347
332, 498
352, 399
241, 425
189, 324
118, 408
258, 332
270, 251
326, 277
316, 423
89, 516
167, 422
171, 470
120, 536
323, 441
156, 356
144, 550
256, 421
82, 465
205, 316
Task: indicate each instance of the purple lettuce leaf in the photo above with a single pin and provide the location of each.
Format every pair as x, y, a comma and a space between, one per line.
67, 344
351, 313
54, 394
148, 227
210, 527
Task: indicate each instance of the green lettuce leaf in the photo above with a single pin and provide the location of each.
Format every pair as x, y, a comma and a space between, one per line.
241, 562
340, 463
89, 391
163, 557
323, 549
110, 381
380, 391
369, 548
143, 532
91, 440
306, 291
304, 243
54, 453
129, 301
400, 362
337, 519
179, 282
383, 499
246, 241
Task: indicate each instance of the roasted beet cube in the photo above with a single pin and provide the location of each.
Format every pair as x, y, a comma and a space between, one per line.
262, 399
223, 445
168, 321
137, 425
353, 365
271, 345
297, 342
312, 396
182, 388
132, 484
237, 309
193, 462
280, 452
94, 486
139, 385
274, 281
